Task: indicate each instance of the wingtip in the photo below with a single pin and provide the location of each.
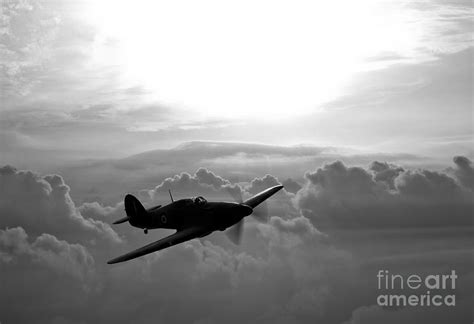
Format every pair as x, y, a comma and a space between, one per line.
113, 261
119, 259
276, 188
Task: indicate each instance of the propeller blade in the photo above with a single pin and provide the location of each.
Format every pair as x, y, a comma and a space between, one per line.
235, 192
235, 232
260, 212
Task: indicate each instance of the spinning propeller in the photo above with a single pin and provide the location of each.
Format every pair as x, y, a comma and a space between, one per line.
260, 213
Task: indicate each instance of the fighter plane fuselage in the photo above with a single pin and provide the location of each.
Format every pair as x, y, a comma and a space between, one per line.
185, 213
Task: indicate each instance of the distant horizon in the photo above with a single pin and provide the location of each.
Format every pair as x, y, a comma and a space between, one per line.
45, 163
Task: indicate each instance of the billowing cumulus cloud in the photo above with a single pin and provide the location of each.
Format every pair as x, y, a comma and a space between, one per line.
202, 183
259, 184
291, 269
385, 172
299, 225
43, 277
464, 171
338, 196
281, 205
291, 185
60, 256
43, 204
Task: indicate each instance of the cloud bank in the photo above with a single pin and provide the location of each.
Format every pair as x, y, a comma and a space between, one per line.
336, 196
43, 204
296, 268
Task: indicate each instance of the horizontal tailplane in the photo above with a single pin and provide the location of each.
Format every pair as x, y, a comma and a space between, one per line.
122, 220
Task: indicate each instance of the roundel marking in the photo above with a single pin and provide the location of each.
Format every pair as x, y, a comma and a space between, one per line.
164, 219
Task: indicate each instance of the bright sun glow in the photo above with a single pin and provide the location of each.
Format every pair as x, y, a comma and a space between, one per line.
262, 59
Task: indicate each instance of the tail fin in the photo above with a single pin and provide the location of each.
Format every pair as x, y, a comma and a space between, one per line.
135, 211
133, 207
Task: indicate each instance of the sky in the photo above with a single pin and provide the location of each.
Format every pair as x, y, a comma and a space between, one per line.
362, 110
111, 79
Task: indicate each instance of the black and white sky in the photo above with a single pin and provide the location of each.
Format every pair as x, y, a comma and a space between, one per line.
362, 109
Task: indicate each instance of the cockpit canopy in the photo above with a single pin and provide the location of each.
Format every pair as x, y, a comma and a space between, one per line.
200, 201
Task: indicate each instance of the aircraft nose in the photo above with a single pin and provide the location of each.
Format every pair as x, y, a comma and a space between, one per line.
246, 210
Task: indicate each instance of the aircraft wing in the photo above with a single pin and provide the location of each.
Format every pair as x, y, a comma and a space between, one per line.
261, 196
173, 239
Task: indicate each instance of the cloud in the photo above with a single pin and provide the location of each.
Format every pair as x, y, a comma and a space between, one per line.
431, 186
408, 94
202, 183
43, 204
260, 184
291, 269
291, 185
385, 172
336, 196
300, 226
53, 73
53, 273
96, 211
464, 171
60, 256
26, 28
107, 181
47, 54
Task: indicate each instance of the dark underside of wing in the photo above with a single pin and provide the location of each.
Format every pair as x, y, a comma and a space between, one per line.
173, 239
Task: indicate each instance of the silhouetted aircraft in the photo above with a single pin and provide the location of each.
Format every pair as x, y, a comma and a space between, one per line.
191, 218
